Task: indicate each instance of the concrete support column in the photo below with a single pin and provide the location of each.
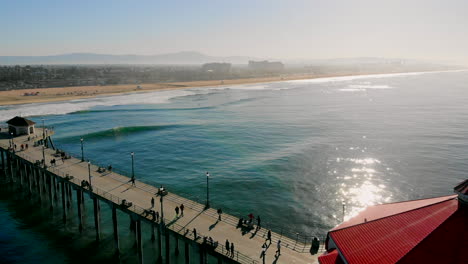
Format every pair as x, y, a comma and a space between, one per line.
97, 216
68, 191
39, 180
168, 247
79, 201
132, 224
139, 241
10, 165
153, 235
20, 173
29, 179
3, 160
50, 186
64, 198
187, 251
176, 250
55, 184
116, 230
159, 239
201, 250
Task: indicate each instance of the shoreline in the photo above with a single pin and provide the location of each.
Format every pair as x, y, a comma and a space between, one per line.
57, 94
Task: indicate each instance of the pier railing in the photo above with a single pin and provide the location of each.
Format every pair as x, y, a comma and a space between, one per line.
289, 238
173, 226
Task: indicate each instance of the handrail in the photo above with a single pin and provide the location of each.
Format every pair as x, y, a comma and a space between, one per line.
292, 240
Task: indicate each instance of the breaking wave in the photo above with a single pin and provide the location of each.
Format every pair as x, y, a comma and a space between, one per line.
122, 131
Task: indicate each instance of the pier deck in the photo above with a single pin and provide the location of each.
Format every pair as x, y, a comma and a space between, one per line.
116, 187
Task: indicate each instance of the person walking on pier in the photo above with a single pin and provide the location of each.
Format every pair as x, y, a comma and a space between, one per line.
181, 210
278, 246
227, 247
177, 211
195, 233
268, 236
152, 202
219, 214
263, 254
133, 181
258, 223
232, 249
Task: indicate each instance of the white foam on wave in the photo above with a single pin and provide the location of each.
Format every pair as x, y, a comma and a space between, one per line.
65, 107
367, 76
363, 87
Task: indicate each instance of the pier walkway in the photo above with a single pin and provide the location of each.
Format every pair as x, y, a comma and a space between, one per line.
115, 188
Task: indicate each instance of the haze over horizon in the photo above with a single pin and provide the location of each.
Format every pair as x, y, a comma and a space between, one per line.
294, 30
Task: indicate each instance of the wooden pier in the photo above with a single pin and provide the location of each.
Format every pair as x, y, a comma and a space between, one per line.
54, 184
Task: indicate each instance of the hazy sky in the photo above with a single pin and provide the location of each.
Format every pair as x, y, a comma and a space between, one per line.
433, 30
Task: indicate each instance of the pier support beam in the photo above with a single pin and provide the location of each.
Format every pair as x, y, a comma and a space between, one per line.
64, 198
79, 201
97, 218
139, 241
3, 160
50, 186
68, 191
176, 250
159, 240
187, 251
116, 230
168, 248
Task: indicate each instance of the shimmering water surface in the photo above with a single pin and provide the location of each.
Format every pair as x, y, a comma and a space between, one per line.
292, 152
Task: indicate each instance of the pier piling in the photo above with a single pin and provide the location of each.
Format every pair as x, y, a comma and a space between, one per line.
97, 216
116, 230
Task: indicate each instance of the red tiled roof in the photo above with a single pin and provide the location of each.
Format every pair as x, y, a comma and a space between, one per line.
331, 257
447, 244
390, 238
384, 210
462, 187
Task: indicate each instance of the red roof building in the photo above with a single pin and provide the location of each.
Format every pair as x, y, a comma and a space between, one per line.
431, 230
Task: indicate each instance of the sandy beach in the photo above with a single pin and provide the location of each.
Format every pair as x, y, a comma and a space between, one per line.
41, 95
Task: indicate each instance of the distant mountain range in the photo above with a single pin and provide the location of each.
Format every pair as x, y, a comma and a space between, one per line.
179, 58
185, 57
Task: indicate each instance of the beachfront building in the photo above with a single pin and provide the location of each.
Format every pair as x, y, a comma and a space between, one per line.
431, 230
20, 126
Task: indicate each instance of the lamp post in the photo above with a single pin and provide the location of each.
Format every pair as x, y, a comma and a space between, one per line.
12, 143
43, 154
43, 129
207, 205
89, 175
162, 210
344, 205
82, 153
133, 167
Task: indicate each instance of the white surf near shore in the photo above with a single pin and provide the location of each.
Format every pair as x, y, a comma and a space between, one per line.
161, 97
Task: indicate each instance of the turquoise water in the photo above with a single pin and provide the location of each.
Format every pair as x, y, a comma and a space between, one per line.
291, 152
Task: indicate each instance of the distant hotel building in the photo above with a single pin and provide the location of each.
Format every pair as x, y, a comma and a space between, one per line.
266, 66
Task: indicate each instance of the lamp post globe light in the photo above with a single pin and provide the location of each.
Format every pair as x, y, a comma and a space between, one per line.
207, 205
82, 152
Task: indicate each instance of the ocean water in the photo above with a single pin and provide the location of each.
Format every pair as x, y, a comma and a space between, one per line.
293, 152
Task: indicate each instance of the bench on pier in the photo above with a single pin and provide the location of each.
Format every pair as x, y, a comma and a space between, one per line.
126, 204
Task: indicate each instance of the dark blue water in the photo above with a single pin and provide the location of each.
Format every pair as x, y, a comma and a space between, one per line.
292, 152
